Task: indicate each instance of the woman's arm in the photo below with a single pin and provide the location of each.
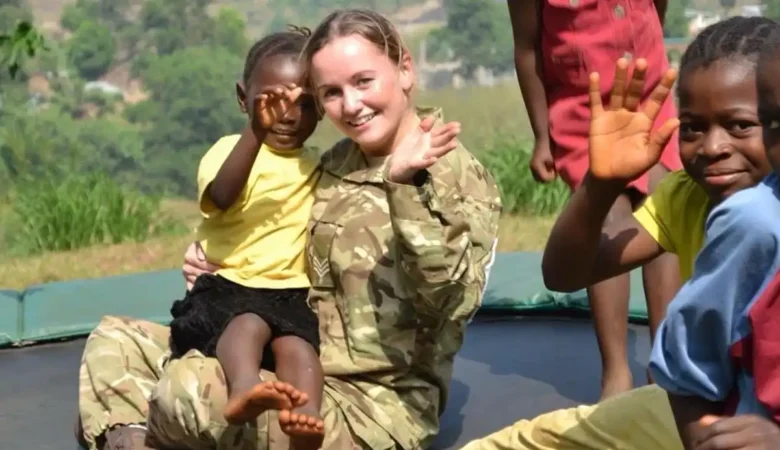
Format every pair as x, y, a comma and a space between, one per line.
581, 252
195, 264
446, 225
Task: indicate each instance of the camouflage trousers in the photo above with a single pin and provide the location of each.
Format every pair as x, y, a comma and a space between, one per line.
640, 419
127, 377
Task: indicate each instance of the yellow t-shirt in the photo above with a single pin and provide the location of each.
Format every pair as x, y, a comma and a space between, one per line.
260, 240
674, 214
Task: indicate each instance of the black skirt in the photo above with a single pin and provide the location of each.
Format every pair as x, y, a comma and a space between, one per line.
200, 318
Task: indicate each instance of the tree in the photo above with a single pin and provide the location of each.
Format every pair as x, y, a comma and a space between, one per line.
727, 5
12, 12
676, 25
278, 22
24, 41
172, 25
91, 49
480, 34
25, 152
230, 31
167, 26
191, 105
75, 14
771, 9
112, 13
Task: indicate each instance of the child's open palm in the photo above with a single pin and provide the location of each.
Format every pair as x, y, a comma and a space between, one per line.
622, 143
274, 102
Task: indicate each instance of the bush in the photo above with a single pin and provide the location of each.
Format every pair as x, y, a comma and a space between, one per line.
79, 211
508, 162
91, 49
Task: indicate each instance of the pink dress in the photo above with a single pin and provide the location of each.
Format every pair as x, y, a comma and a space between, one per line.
582, 36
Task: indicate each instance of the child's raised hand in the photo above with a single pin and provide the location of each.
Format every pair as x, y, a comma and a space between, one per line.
421, 148
273, 103
622, 143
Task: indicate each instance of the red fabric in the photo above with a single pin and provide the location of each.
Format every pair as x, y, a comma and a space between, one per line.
741, 354
764, 353
582, 36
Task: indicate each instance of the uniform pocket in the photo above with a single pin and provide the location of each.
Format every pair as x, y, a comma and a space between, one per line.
568, 29
571, 14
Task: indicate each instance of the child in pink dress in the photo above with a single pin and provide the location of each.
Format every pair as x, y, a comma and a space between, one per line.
558, 43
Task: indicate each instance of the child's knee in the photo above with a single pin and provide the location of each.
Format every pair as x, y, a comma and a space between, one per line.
294, 349
250, 323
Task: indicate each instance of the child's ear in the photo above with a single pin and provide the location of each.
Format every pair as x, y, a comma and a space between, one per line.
407, 72
241, 96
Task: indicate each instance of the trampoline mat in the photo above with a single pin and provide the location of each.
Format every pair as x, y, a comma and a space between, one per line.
508, 369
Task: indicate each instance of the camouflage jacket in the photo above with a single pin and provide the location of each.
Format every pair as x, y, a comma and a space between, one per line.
397, 271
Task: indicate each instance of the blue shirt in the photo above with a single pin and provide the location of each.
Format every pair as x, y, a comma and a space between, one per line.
706, 345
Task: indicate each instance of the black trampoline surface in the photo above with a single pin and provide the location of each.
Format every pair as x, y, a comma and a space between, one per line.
508, 369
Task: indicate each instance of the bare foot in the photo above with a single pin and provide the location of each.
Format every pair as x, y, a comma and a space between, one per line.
306, 429
615, 383
245, 405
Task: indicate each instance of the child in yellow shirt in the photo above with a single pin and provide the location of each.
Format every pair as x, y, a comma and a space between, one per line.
255, 194
723, 152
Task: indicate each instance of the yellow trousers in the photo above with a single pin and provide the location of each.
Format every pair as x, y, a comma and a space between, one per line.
640, 419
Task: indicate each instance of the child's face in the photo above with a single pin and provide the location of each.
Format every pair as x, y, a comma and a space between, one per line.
720, 135
362, 91
300, 122
769, 110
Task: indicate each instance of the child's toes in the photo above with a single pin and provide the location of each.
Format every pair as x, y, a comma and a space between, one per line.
310, 422
297, 397
301, 399
281, 386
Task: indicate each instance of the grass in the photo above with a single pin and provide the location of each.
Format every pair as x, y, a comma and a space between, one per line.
54, 214
508, 162
96, 261
517, 233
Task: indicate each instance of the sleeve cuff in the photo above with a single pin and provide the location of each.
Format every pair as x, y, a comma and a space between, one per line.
206, 206
651, 224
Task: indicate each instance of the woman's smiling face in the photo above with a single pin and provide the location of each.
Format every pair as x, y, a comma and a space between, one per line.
362, 90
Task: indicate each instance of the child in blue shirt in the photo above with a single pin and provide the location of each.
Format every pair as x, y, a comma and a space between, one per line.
717, 353
711, 351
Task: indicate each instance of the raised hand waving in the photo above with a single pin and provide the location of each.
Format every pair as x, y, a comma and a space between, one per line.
623, 145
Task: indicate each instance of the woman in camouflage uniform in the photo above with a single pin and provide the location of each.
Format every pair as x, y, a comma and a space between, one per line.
401, 237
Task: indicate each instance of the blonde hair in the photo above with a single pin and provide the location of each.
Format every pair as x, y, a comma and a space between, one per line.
368, 24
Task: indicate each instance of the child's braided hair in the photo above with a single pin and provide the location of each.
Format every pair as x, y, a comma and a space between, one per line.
736, 37
290, 42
